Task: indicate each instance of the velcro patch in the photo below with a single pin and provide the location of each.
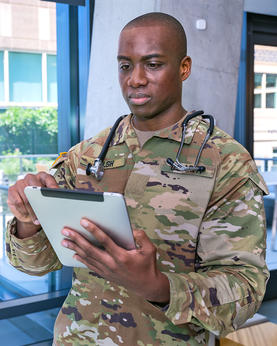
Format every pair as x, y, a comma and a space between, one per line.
108, 163
114, 163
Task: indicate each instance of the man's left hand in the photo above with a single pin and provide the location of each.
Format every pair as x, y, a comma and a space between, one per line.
134, 269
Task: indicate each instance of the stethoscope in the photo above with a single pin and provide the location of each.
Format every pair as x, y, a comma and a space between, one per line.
97, 169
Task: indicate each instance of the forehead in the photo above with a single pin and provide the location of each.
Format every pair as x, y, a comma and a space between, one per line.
144, 40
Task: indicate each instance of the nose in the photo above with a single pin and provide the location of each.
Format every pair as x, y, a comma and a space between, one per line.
137, 77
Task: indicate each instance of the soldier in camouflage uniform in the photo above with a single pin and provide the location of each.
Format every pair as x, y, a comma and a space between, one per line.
200, 262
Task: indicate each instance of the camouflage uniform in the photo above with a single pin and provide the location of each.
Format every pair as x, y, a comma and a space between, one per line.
209, 230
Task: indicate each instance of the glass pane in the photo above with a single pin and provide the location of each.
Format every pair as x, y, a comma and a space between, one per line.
265, 107
257, 101
271, 80
31, 329
51, 78
270, 100
25, 77
2, 95
258, 80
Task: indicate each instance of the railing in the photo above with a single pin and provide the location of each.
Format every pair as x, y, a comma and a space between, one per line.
32, 157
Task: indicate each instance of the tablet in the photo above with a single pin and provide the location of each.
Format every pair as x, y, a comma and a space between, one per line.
57, 208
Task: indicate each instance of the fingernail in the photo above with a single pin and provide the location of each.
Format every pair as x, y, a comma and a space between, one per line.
36, 222
65, 232
84, 223
64, 243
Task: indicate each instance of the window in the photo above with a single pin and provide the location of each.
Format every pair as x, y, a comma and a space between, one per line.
25, 77
28, 79
51, 79
2, 94
265, 90
258, 80
257, 101
271, 80
270, 100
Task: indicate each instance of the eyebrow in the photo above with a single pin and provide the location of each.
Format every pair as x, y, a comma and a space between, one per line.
145, 57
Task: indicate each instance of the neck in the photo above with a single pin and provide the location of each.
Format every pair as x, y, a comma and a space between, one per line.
159, 121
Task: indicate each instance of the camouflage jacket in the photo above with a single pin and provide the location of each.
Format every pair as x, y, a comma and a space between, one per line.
209, 229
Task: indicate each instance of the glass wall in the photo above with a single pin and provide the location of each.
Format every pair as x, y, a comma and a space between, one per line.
28, 129
265, 105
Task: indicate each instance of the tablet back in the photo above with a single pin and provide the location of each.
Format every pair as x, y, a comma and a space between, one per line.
57, 208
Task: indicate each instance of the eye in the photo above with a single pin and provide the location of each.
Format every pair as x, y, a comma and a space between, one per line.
124, 66
154, 65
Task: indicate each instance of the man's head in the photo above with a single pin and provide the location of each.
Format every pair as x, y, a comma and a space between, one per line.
152, 65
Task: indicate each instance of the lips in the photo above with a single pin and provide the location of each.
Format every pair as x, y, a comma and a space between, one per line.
138, 99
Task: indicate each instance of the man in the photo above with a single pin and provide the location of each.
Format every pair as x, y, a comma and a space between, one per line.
199, 265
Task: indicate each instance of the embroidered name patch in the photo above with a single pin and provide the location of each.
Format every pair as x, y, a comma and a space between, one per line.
114, 163
108, 163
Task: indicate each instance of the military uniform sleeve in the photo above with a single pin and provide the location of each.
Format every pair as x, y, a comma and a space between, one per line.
229, 283
35, 255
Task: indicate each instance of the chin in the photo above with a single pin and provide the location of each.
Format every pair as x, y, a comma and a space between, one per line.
143, 113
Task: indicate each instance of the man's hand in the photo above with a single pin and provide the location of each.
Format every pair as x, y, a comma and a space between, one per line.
27, 223
134, 269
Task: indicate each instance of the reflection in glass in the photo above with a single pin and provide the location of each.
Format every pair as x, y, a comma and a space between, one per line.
271, 80
270, 100
51, 78
258, 80
25, 77
257, 101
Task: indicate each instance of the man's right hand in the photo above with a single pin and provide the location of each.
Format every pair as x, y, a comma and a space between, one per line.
27, 222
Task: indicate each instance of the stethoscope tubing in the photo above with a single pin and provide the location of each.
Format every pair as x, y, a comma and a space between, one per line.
97, 169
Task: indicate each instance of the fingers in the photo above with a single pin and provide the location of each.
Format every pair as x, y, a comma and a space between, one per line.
19, 204
47, 180
17, 200
86, 251
110, 246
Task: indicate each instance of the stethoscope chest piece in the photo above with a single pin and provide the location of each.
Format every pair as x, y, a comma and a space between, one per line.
177, 165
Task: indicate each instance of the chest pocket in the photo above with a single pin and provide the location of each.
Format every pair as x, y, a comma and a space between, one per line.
173, 199
115, 173
169, 207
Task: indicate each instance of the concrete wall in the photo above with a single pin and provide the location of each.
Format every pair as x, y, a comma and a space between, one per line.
215, 53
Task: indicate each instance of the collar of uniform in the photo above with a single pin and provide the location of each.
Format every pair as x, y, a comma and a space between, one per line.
126, 131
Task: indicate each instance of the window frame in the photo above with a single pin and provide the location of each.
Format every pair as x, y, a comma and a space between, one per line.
261, 30
74, 46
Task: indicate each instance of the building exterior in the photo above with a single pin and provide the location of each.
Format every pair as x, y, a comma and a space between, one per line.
27, 53
265, 102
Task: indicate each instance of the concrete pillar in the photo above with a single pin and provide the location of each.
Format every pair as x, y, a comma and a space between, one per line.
215, 53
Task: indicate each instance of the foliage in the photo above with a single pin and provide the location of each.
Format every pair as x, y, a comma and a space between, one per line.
32, 131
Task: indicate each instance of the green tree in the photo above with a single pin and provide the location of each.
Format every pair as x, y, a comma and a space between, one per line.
32, 131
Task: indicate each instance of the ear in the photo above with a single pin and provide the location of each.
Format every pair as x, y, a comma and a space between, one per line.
185, 68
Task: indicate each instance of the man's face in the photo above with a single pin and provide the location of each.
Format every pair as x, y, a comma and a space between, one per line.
150, 71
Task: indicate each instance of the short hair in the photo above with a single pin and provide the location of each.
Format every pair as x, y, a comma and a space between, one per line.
160, 18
